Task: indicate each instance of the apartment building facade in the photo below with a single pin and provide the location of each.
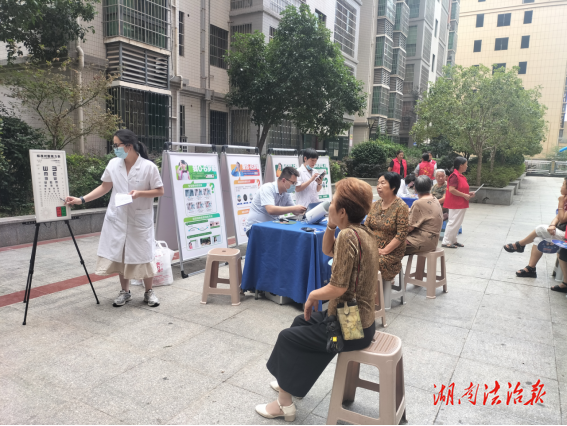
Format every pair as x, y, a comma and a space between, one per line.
403, 47
529, 34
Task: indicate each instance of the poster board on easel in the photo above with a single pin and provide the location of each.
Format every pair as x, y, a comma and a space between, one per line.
241, 176
323, 164
191, 215
50, 185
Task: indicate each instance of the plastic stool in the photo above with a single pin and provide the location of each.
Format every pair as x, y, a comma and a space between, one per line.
379, 301
385, 353
557, 272
233, 258
432, 279
400, 290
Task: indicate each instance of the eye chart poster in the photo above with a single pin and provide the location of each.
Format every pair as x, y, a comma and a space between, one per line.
50, 185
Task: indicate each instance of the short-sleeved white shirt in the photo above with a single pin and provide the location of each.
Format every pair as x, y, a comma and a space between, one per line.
267, 195
308, 195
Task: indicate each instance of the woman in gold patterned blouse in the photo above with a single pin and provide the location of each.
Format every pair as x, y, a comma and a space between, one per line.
388, 220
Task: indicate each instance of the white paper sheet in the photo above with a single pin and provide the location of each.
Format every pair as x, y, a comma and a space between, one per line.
122, 199
479, 188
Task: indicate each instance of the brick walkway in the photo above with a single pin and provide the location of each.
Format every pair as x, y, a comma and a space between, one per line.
80, 363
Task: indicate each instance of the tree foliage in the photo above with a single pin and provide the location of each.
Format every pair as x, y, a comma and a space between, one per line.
480, 112
53, 95
44, 27
299, 75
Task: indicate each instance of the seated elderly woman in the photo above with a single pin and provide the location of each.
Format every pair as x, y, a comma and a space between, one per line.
540, 233
388, 220
300, 356
425, 219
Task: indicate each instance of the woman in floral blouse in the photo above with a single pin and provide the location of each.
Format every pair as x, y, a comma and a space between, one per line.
388, 220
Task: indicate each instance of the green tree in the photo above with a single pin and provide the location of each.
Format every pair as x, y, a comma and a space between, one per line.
482, 112
44, 27
53, 95
299, 75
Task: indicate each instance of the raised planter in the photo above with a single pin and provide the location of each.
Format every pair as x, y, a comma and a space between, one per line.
370, 181
516, 185
498, 196
18, 230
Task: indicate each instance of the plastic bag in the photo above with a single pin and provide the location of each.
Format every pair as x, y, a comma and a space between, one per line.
163, 258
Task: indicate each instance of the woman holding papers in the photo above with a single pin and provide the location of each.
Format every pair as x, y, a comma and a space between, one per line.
457, 201
127, 241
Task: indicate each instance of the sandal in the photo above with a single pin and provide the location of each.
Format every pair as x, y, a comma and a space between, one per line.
459, 245
527, 272
511, 249
559, 288
449, 245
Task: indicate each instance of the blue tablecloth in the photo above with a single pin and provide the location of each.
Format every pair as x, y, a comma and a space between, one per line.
285, 260
408, 200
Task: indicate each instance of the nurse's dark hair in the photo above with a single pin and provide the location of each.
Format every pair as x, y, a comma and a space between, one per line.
394, 180
128, 137
309, 153
458, 162
355, 196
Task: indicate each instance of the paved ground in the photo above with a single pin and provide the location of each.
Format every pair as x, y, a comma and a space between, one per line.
80, 363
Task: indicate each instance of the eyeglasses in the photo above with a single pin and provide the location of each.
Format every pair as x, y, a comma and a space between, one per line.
114, 145
293, 183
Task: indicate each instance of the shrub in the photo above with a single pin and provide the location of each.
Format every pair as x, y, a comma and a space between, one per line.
16, 193
84, 176
338, 170
369, 152
500, 177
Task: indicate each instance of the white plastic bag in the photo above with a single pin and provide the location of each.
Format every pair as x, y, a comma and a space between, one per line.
163, 258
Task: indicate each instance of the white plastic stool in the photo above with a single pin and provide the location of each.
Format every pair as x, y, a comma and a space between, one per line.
400, 290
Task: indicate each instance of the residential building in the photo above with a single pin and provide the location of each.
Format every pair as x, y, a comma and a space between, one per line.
173, 78
527, 34
403, 47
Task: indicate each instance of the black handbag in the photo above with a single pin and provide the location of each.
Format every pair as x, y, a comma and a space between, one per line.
561, 226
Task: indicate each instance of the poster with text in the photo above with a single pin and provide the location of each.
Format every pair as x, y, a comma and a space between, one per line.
198, 202
276, 163
245, 179
326, 193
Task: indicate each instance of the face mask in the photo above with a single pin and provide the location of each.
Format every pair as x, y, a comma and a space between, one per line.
291, 189
120, 153
308, 167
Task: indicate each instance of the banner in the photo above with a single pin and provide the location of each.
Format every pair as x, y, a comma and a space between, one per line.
193, 193
326, 193
50, 185
274, 166
244, 178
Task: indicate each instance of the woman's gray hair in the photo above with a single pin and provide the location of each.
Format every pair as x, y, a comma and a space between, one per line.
423, 185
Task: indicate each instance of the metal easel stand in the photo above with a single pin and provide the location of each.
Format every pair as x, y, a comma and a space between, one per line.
32, 263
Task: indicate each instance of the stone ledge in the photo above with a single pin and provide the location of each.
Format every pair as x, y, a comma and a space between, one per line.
499, 196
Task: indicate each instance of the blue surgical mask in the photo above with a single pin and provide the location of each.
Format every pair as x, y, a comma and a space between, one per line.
291, 189
120, 153
308, 167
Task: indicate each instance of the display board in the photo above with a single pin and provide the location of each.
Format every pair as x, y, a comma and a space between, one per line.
50, 185
276, 163
241, 178
192, 204
326, 193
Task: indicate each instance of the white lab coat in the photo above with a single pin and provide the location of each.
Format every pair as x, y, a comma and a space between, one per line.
129, 229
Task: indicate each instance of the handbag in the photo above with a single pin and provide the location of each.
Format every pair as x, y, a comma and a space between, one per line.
561, 226
349, 315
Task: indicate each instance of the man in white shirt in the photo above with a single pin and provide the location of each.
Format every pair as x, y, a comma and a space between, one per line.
273, 199
309, 183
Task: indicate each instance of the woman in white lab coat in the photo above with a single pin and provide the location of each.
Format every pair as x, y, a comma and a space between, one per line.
127, 243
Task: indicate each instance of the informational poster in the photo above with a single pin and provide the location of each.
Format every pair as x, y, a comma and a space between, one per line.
276, 163
326, 193
50, 185
244, 178
193, 191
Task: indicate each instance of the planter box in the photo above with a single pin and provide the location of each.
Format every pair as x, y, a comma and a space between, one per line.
516, 185
15, 230
370, 181
499, 196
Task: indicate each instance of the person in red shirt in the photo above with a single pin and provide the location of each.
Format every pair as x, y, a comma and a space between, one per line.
426, 167
399, 165
457, 201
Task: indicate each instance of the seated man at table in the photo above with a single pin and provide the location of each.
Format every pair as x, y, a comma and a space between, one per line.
425, 219
406, 186
273, 199
440, 189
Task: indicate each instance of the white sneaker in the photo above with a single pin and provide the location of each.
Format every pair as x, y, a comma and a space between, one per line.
151, 298
123, 297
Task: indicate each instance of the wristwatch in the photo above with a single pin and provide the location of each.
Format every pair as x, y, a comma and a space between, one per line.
82, 199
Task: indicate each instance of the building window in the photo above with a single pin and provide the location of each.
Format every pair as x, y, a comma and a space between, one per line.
504, 20
413, 8
345, 27
528, 16
380, 99
240, 4
433, 63
284, 135
137, 65
436, 27
412, 41
480, 1
498, 66
501, 44
523, 67
322, 17
218, 47
181, 32
477, 45
240, 29
218, 126
480, 20
145, 113
383, 53
525, 42
147, 21
272, 32
527, 1
408, 80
